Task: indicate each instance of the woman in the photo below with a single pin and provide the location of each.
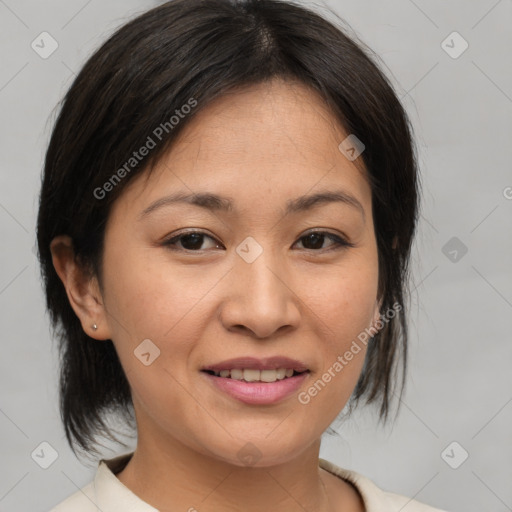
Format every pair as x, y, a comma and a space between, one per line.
226, 215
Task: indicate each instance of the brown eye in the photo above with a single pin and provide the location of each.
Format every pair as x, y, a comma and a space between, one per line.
316, 239
190, 241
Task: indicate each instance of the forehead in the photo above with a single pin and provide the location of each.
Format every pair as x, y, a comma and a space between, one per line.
276, 137
265, 121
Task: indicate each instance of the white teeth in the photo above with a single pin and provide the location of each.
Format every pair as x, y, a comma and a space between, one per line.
268, 375
251, 375
237, 374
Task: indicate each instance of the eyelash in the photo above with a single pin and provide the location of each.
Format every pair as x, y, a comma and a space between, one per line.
339, 242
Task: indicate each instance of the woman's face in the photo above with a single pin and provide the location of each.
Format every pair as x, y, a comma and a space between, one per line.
252, 282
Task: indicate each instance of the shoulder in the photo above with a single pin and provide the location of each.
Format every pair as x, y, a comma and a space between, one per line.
105, 493
81, 501
374, 498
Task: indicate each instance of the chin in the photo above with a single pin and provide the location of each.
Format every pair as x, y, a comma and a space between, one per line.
259, 451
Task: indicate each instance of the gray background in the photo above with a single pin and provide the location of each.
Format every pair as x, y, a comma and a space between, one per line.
460, 383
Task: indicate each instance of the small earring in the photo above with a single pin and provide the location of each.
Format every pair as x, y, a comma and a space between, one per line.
94, 326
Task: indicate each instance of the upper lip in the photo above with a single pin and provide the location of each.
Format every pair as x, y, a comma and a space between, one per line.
268, 363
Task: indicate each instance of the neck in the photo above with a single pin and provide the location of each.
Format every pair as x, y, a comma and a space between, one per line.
178, 478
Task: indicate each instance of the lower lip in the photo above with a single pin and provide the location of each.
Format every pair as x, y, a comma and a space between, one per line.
258, 392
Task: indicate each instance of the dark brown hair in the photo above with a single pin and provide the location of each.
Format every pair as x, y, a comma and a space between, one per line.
135, 82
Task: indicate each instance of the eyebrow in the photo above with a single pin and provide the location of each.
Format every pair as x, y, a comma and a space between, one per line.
215, 202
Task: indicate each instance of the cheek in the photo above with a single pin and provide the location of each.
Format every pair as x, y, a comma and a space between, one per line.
344, 302
148, 301
347, 314
145, 299
152, 315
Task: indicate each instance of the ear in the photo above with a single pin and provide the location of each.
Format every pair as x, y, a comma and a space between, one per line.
83, 291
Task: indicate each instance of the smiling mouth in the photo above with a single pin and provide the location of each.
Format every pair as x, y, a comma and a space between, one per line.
253, 375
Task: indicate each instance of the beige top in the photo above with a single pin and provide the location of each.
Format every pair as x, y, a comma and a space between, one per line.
106, 493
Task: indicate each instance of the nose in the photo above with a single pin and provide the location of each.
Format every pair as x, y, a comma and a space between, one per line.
260, 298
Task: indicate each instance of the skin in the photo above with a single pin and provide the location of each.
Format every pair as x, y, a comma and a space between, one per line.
261, 146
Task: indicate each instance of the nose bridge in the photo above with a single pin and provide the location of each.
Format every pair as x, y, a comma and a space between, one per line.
259, 271
259, 298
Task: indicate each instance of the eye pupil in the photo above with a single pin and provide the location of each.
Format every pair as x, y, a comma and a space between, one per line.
197, 240
315, 238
